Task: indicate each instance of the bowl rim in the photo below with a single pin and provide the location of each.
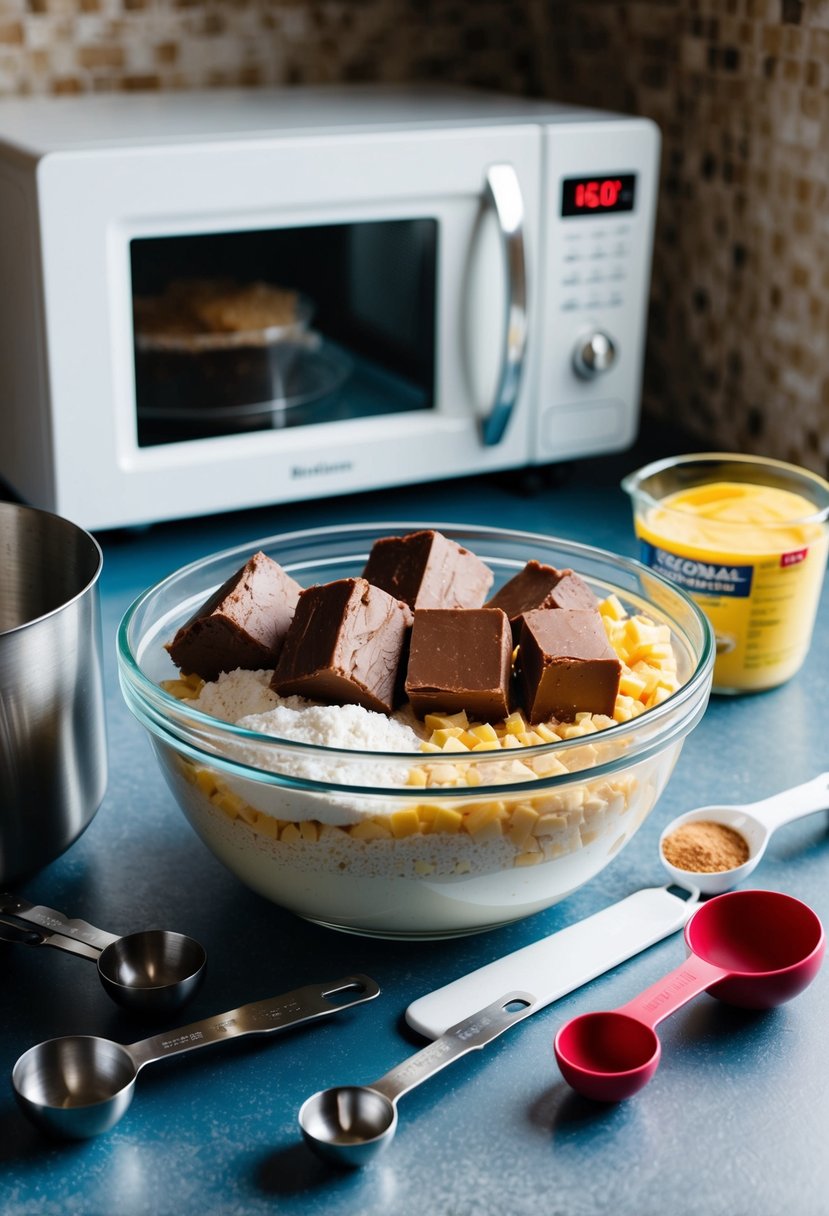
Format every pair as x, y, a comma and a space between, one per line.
154, 699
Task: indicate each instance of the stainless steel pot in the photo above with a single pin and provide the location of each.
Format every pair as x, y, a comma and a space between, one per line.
53, 767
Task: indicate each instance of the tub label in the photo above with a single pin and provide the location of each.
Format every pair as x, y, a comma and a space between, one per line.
700, 578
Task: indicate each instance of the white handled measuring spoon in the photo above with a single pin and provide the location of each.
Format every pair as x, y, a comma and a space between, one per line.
81, 1085
561, 962
350, 1124
755, 822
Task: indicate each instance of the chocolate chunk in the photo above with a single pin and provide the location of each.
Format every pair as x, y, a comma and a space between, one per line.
566, 664
571, 591
344, 646
460, 659
427, 570
538, 586
243, 624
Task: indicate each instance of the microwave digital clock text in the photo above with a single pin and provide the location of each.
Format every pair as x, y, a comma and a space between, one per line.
598, 195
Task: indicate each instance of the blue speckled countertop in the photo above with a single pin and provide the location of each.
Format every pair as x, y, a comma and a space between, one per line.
734, 1122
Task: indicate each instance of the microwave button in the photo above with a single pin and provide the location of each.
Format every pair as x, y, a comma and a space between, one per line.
594, 353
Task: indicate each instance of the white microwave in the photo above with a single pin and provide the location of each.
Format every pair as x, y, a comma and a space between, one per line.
219, 300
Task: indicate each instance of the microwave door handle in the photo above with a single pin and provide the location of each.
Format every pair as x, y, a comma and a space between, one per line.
503, 193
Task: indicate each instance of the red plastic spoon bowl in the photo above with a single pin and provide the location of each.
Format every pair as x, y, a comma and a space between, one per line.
756, 949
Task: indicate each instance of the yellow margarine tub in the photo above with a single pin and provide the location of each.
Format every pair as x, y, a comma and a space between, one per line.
747, 538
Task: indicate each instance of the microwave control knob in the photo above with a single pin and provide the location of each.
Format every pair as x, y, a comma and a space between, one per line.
595, 353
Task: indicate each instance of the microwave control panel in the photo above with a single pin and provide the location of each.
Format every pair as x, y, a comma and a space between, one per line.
594, 264
599, 204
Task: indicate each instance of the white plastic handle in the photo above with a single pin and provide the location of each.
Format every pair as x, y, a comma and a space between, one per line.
792, 804
562, 962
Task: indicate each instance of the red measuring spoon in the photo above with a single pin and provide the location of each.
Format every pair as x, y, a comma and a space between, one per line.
756, 949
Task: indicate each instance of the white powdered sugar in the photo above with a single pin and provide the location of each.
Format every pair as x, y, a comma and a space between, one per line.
342, 726
236, 694
245, 699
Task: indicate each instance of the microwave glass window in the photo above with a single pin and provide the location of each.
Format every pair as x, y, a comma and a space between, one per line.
245, 331
598, 194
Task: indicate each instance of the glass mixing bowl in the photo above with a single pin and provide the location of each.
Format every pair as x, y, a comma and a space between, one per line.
413, 844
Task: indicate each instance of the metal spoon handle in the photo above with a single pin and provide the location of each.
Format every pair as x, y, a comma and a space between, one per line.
261, 1017
21, 934
469, 1035
57, 922
793, 804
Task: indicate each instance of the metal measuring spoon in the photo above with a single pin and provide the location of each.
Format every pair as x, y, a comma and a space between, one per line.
153, 971
755, 822
350, 1124
80, 1085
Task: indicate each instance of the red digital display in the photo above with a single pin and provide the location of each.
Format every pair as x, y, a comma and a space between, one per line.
598, 195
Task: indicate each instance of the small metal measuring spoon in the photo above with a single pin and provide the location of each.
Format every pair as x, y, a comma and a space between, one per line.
754, 949
755, 822
153, 971
80, 1085
349, 1124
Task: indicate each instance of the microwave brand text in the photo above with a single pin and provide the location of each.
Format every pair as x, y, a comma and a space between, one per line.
321, 468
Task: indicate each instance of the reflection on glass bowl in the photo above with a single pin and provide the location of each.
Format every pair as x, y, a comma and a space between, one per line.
344, 838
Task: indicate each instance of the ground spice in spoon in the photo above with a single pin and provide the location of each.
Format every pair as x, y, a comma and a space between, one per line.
705, 847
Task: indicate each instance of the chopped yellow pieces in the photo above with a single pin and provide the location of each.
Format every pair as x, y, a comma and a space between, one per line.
648, 676
536, 827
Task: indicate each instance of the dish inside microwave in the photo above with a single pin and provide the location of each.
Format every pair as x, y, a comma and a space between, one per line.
242, 331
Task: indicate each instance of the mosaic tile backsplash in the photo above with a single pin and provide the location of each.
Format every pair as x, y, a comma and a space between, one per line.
739, 328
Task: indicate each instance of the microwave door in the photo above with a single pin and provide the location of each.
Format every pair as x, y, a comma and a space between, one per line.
284, 327
296, 329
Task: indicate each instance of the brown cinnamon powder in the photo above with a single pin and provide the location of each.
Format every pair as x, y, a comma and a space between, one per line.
705, 847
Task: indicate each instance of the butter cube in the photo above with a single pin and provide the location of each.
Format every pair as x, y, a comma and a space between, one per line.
444, 733
484, 820
547, 735
266, 825
370, 829
446, 721
521, 824
206, 781
612, 608
447, 820
515, 724
454, 744
405, 823
528, 859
